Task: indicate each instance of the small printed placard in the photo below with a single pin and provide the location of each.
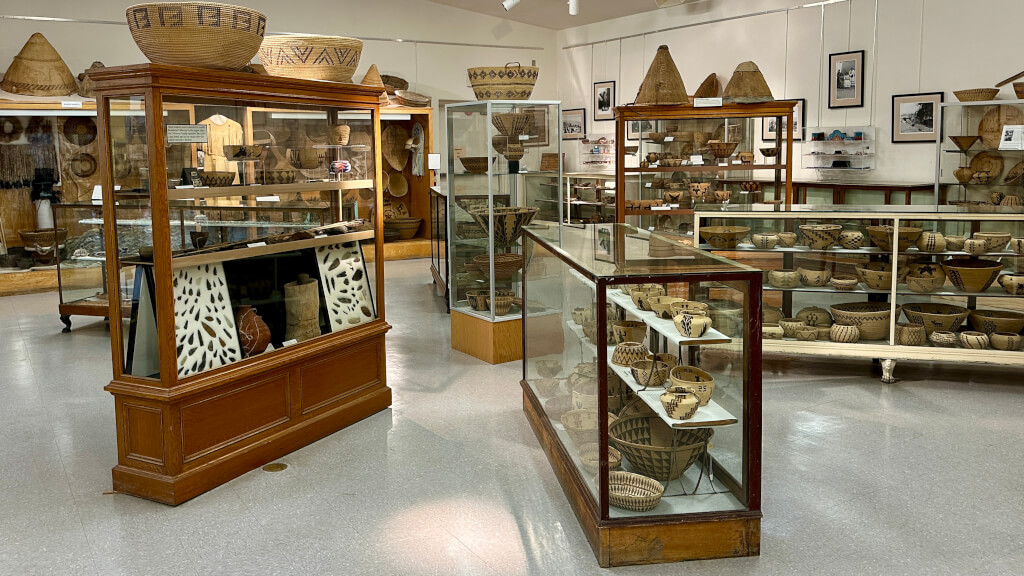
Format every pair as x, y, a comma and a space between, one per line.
670, 139
274, 198
291, 342
256, 244
524, 137
696, 160
651, 228
707, 102
737, 162
648, 185
661, 207
187, 134
71, 104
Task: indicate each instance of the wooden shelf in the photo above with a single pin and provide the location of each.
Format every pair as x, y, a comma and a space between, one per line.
665, 327
650, 212
265, 189
249, 252
709, 168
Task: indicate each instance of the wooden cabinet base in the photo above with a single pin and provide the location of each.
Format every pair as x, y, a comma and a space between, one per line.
494, 342
175, 444
643, 540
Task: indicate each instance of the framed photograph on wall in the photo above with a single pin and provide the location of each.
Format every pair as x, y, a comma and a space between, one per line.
846, 79
538, 132
604, 100
915, 117
636, 128
574, 123
768, 128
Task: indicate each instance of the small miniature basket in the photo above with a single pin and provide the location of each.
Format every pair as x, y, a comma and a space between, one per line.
590, 458
634, 491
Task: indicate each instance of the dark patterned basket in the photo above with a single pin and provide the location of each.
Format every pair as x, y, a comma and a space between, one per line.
636, 438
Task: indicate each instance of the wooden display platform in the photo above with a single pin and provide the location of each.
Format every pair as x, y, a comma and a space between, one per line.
643, 539
493, 342
27, 282
401, 250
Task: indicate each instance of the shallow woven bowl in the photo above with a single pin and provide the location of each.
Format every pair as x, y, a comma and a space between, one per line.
633, 491
925, 284
333, 58
820, 236
989, 321
197, 34
976, 94
770, 152
505, 265
722, 149
724, 237
844, 282
581, 425
654, 449
935, 316
881, 236
994, 241
971, 274
217, 179
590, 458
871, 318
406, 227
876, 279
475, 164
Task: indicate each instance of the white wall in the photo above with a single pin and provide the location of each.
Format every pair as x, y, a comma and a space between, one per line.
436, 70
916, 46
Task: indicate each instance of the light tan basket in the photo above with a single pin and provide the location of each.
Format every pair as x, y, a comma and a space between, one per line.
590, 458
976, 94
510, 82
392, 144
38, 70
333, 58
197, 34
634, 491
581, 425
398, 186
412, 99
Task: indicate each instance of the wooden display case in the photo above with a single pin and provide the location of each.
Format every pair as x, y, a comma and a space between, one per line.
197, 401
707, 465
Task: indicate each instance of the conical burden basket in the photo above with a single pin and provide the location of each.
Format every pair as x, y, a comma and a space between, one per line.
663, 85
38, 70
508, 222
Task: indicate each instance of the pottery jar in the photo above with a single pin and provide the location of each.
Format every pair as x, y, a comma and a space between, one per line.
253, 332
851, 239
931, 242
974, 340
789, 326
765, 241
844, 334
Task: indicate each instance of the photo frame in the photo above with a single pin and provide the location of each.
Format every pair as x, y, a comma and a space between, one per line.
915, 117
1012, 137
636, 128
538, 133
768, 123
846, 79
604, 100
574, 124
604, 242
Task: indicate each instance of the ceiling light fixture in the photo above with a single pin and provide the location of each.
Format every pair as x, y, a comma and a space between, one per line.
574, 7
508, 4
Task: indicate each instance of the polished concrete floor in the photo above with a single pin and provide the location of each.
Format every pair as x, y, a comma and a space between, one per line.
923, 477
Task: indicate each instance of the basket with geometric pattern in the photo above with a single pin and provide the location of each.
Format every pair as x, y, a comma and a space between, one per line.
654, 449
633, 491
509, 82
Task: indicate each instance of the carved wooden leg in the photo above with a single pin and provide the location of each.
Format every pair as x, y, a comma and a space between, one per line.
66, 319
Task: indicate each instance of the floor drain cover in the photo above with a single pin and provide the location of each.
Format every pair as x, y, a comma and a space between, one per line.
275, 467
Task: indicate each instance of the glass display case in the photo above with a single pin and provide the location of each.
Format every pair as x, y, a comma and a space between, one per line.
237, 240
978, 165
694, 158
646, 393
589, 198
837, 283
839, 152
504, 171
439, 239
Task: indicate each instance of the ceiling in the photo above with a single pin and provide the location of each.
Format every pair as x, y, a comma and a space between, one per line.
554, 14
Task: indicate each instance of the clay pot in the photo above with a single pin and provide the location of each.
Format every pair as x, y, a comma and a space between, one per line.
765, 241
931, 242
680, 405
974, 340
784, 278
691, 325
851, 239
944, 339
814, 277
1005, 341
787, 239
253, 332
789, 326
844, 334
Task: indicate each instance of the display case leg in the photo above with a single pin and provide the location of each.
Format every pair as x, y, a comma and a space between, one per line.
888, 365
66, 319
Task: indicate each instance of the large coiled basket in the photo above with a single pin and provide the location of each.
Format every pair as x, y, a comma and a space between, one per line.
509, 82
655, 450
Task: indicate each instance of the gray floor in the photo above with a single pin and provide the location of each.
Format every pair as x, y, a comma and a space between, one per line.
859, 478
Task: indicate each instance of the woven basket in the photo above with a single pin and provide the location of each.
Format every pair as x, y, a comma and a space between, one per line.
581, 425
662, 84
475, 164
394, 83
590, 458
392, 144
333, 58
872, 318
197, 34
339, 135
510, 82
747, 86
722, 149
412, 99
398, 185
656, 450
634, 491
1018, 89
976, 94
558, 406
276, 177
512, 124
964, 142
694, 380
407, 227
505, 265
936, 316
508, 222
217, 179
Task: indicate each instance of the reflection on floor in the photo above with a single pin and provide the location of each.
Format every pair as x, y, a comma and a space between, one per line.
859, 478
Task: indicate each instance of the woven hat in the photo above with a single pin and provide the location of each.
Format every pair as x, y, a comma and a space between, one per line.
38, 70
663, 84
709, 88
747, 86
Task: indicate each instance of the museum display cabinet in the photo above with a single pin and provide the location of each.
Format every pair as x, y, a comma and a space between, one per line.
849, 191
978, 164
407, 141
589, 197
837, 283
694, 157
650, 409
252, 322
839, 152
504, 164
439, 239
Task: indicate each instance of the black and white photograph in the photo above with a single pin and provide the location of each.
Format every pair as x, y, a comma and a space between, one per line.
574, 124
1013, 137
604, 100
915, 117
637, 128
538, 131
846, 80
769, 128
